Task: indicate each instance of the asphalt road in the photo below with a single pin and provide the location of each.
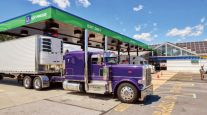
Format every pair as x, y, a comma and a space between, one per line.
175, 93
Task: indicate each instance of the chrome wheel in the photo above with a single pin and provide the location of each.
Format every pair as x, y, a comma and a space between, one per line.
37, 83
127, 93
27, 82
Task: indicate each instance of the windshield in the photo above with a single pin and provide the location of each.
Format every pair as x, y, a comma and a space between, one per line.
111, 60
145, 63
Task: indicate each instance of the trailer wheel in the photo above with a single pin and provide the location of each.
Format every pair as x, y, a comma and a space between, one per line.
37, 83
27, 82
127, 93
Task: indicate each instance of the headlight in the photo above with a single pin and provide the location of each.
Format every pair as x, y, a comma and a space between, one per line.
140, 82
144, 78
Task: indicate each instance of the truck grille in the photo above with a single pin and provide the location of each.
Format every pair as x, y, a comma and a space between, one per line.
148, 77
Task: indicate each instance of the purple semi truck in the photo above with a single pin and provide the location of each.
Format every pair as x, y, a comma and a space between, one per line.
104, 76
38, 60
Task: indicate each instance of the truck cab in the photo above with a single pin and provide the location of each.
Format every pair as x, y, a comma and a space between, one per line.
105, 76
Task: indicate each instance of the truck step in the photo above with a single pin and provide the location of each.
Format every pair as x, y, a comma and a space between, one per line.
99, 87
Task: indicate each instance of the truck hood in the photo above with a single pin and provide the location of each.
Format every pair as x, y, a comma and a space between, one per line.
126, 70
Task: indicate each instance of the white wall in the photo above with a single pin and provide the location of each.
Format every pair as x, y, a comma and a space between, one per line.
184, 65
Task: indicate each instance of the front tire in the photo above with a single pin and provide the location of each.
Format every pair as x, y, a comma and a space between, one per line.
27, 82
127, 93
37, 83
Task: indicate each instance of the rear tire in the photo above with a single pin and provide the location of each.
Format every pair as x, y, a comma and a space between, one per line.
37, 83
127, 93
27, 82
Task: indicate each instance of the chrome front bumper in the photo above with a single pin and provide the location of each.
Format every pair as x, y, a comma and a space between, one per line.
145, 92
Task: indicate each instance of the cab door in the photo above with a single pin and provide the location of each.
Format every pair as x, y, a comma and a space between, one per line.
97, 67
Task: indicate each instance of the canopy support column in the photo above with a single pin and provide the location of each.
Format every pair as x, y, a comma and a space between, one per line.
118, 48
82, 40
137, 51
105, 46
86, 58
105, 43
128, 49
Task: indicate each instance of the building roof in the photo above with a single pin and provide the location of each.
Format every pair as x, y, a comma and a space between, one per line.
36, 19
199, 47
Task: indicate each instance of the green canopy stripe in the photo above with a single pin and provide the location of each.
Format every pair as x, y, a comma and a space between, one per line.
67, 18
31, 18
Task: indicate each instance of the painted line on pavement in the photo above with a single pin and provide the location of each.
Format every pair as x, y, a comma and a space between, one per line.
187, 95
166, 106
194, 96
121, 107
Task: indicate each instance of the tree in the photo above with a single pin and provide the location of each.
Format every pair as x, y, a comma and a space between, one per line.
4, 37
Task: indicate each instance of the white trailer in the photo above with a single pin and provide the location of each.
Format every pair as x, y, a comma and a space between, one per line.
32, 59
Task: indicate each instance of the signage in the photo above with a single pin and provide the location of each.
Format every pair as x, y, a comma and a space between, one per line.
28, 19
92, 27
33, 18
194, 61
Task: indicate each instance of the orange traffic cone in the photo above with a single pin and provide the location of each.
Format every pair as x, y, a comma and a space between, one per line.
158, 76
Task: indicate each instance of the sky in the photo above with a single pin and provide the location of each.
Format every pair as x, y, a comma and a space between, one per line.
149, 21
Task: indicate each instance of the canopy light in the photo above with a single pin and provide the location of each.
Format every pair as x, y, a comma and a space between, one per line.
120, 43
52, 25
126, 44
92, 35
113, 41
131, 46
98, 45
79, 42
24, 32
51, 32
65, 39
89, 43
77, 32
136, 47
103, 39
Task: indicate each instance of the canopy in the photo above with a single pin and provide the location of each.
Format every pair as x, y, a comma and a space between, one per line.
34, 22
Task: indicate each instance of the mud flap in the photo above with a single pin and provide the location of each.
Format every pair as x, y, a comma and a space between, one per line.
45, 81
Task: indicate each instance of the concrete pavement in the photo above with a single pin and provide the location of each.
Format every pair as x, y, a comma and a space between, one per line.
175, 93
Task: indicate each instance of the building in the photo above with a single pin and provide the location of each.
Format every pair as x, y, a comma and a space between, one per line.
189, 56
